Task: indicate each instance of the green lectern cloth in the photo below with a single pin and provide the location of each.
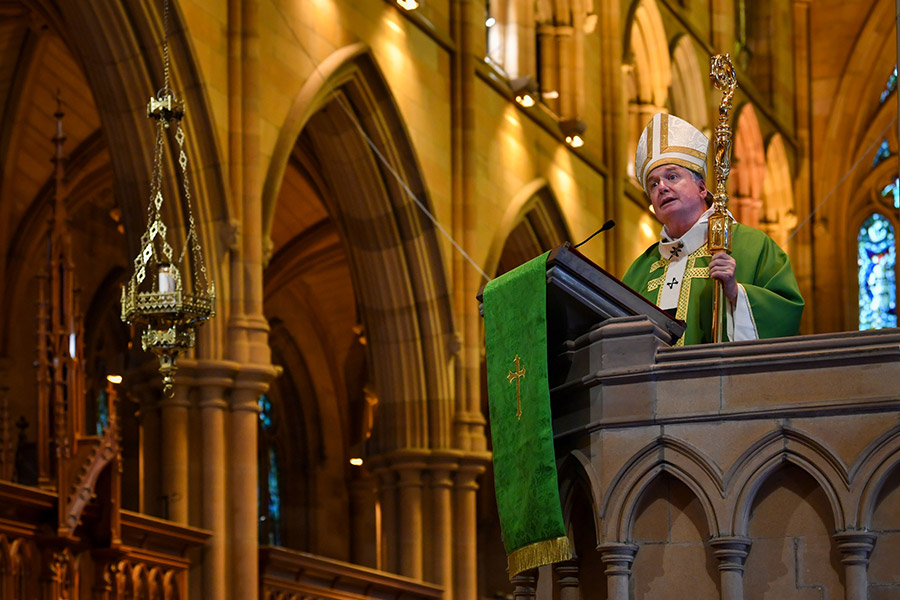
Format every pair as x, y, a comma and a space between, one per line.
515, 324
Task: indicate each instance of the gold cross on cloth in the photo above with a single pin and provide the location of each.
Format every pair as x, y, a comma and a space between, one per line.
519, 373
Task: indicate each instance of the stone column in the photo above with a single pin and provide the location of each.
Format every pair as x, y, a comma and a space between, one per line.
567, 577
363, 527
174, 452
388, 536
731, 551
409, 487
566, 75
441, 530
149, 450
214, 381
548, 64
243, 481
618, 558
465, 540
856, 548
525, 585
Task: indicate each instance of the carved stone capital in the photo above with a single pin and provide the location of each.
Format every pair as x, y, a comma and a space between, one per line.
731, 551
525, 585
618, 557
855, 546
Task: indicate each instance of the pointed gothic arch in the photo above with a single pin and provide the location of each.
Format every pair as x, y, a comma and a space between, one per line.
748, 170
690, 87
648, 50
877, 462
349, 118
779, 216
647, 67
664, 455
769, 454
532, 223
111, 41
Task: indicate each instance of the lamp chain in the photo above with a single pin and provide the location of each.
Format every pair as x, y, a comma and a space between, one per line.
166, 44
192, 231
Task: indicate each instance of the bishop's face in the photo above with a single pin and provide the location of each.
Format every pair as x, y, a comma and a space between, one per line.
678, 199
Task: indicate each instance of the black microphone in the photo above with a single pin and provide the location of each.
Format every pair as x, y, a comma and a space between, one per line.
608, 225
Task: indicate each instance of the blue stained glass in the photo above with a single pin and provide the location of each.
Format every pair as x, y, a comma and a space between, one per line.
274, 501
269, 478
884, 152
877, 284
265, 412
892, 189
890, 86
102, 412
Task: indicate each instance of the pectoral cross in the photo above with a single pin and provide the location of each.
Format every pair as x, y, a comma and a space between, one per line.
519, 373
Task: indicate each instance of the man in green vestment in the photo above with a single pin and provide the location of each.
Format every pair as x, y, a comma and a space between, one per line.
677, 273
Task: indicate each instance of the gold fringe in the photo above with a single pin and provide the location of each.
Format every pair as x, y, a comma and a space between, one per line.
539, 554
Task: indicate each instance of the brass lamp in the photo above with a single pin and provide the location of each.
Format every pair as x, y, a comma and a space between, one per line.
169, 294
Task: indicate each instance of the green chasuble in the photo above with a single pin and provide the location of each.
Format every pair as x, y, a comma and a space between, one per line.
762, 268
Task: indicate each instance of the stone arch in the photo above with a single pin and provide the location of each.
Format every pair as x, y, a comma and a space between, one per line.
87, 178
870, 61
579, 494
112, 43
875, 465
767, 455
534, 213
312, 462
347, 114
748, 170
577, 476
689, 95
779, 216
664, 455
648, 50
647, 68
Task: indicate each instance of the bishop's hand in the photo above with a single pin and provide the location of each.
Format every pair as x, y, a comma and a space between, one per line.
722, 267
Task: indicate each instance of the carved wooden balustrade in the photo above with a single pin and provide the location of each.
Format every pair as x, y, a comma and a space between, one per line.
291, 575
151, 561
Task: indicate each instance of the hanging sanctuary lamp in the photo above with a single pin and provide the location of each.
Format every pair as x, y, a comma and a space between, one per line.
169, 294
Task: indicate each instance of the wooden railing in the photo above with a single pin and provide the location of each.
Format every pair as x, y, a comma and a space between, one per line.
291, 575
150, 561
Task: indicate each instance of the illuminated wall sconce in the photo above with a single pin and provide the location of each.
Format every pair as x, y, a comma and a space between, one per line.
490, 22
408, 4
574, 130
525, 89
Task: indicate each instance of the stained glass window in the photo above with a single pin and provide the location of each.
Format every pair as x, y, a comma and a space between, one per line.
269, 477
877, 285
892, 190
890, 86
884, 152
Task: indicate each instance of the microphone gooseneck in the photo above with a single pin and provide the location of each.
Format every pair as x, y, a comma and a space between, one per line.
606, 226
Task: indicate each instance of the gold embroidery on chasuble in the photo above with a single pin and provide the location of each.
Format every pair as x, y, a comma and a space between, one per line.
654, 284
691, 272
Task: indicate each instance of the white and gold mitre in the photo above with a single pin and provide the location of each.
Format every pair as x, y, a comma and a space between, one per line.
669, 140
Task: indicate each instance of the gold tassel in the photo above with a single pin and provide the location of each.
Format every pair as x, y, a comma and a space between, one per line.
538, 554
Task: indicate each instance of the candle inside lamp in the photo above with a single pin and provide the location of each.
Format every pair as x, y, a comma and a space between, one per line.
166, 280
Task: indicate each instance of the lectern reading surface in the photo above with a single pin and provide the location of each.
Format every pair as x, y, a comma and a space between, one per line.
580, 295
